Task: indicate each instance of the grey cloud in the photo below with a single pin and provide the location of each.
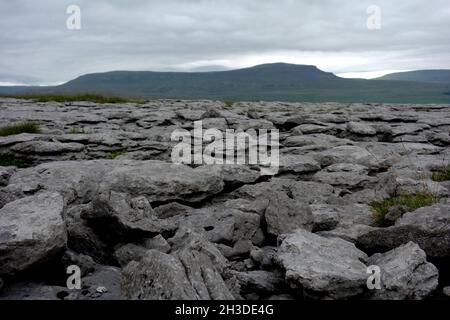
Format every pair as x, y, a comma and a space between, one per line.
219, 34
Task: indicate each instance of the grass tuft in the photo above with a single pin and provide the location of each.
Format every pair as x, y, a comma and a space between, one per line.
96, 98
115, 154
7, 160
23, 127
77, 131
410, 202
228, 103
443, 174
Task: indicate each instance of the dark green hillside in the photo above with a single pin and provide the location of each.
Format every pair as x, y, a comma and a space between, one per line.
432, 76
270, 82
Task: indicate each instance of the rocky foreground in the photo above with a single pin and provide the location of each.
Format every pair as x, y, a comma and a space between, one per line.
100, 192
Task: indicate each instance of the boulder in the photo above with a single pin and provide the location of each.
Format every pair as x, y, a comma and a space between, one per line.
324, 268
405, 274
32, 231
124, 215
284, 214
193, 271
157, 276
204, 265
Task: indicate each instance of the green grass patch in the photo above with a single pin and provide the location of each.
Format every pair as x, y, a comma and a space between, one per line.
23, 127
411, 202
96, 98
77, 131
7, 160
115, 154
443, 174
228, 103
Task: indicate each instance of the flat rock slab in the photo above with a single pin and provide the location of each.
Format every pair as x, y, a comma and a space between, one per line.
46, 147
157, 180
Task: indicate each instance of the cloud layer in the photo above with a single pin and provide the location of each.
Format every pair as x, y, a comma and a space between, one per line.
187, 35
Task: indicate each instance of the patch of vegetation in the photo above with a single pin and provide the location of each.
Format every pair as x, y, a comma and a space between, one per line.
7, 160
115, 154
411, 202
96, 98
228, 103
77, 130
443, 174
23, 127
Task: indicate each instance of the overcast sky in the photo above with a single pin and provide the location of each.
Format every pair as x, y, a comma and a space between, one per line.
36, 47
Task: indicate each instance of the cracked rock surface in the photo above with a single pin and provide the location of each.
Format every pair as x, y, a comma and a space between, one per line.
98, 190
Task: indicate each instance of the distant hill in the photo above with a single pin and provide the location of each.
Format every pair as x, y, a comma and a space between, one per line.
431, 76
16, 89
270, 82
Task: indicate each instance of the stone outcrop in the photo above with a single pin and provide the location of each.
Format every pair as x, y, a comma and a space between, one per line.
405, 274
322, 267
32, 231
97, 189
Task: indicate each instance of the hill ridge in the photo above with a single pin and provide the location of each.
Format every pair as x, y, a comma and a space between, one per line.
270, 82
